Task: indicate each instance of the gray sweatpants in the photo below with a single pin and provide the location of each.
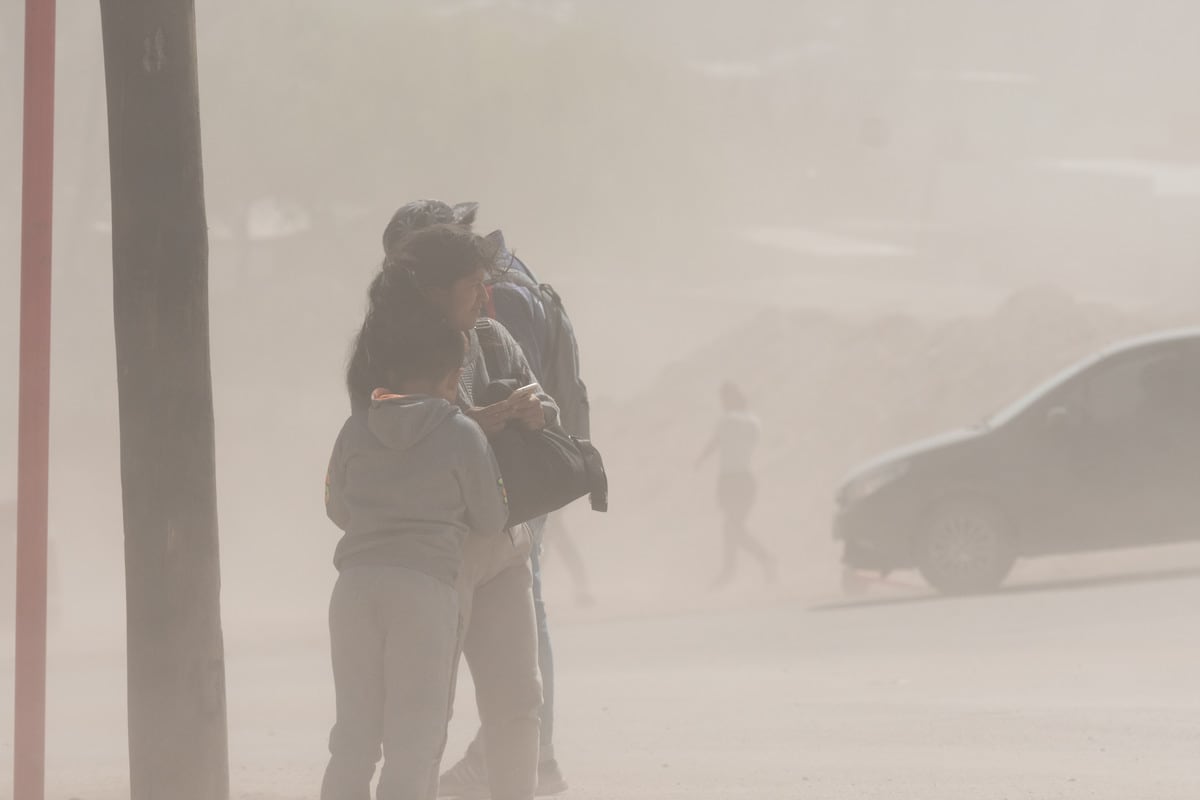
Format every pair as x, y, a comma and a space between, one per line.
394, 635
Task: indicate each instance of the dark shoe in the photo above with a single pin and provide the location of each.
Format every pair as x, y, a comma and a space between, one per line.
466, 780
550, 779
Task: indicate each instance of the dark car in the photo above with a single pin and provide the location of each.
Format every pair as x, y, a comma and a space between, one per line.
1103, 456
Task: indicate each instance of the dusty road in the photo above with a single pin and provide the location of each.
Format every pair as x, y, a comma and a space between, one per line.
1087, 690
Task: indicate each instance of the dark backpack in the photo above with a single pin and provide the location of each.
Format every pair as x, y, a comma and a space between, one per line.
559, 373
560, 366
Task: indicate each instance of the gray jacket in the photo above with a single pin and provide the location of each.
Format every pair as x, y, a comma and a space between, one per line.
408, 481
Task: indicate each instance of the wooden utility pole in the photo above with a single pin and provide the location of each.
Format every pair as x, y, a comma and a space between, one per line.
177, 726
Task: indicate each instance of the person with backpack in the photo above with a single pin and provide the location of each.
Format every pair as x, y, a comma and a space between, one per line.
439, 273
534, 315
409, 481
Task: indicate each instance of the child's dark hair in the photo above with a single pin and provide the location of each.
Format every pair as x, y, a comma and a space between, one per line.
397, 353
399, 342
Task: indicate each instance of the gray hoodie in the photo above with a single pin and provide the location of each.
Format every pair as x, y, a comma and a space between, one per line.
408, 480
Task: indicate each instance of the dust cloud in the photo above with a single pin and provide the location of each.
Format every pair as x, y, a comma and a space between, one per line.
883, 220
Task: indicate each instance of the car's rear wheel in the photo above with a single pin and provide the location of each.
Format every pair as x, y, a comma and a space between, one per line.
966, 547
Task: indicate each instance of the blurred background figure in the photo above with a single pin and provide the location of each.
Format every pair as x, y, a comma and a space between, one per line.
734, 442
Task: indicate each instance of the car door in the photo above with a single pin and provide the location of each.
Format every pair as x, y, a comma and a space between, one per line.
1053, 497
1128, 451
1170, 429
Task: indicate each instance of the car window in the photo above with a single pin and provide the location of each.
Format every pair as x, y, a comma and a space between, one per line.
1058, 390
1142, 387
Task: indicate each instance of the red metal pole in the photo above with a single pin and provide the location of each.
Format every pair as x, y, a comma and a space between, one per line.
33, 448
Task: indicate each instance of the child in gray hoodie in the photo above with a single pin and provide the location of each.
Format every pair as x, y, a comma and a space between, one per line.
409, 480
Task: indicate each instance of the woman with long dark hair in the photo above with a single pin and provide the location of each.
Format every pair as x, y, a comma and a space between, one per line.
438, 275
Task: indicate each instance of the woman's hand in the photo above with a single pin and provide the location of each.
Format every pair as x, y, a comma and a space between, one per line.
526, 410
530, 413
492, 419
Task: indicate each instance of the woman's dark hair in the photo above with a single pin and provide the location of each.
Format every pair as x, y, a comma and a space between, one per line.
397, 307
439, 255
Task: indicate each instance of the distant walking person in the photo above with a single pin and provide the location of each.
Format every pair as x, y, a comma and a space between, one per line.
735, 441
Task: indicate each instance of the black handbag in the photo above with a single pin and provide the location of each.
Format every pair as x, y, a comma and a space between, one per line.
544, 470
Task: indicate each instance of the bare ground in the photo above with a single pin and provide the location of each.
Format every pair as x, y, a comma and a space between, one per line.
1078, 688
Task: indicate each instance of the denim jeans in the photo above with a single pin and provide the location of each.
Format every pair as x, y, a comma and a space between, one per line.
545, 654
